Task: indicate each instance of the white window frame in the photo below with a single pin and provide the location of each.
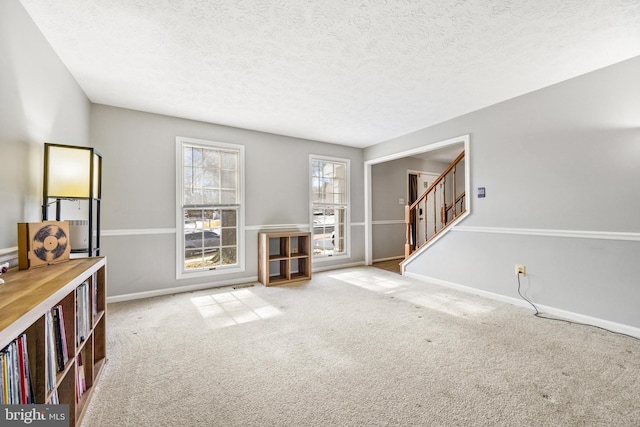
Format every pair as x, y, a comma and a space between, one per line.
181, 273
347, 205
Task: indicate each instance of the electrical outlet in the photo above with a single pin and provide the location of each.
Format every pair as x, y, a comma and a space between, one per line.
521, 270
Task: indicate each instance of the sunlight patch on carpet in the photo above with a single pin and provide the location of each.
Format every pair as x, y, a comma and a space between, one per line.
372, 282
409, 291
233, 308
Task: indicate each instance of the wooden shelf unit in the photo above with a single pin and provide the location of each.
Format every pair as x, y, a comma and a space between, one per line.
25, 299
284, 257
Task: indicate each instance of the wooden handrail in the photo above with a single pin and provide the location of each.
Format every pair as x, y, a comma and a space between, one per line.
410, 209
438, 180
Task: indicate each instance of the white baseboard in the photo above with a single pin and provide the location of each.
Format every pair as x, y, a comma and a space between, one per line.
179, 289
553, 311
9, 255
317, 269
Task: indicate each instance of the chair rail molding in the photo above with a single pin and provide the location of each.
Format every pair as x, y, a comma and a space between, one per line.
577, 234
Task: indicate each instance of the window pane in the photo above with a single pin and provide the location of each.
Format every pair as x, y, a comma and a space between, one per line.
339, 231
229, 236
229, 160
210, 197
339, 194
229, 218
196, 157
211, 159
211, 178
196, 177
315, 184
229, 179
228, 197
200, 219
213, 220
229, 256
192, 197
211, 260
188, 176
214, 260
328, 169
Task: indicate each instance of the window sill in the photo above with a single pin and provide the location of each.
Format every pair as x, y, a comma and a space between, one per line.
328, 258
208, 273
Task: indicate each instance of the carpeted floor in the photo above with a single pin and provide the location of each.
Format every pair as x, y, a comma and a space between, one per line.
357, 347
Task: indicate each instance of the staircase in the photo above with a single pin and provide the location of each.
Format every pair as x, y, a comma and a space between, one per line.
437, 208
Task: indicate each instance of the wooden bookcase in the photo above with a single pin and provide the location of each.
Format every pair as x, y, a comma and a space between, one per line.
25, 299
284, 257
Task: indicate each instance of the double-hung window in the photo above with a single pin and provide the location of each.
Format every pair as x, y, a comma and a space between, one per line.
329, 206
210, 214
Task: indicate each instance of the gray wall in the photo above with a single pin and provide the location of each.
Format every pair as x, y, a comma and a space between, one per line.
389, 183
139, 194
561, 167
39, 102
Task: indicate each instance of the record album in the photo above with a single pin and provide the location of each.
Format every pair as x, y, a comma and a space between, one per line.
43, 243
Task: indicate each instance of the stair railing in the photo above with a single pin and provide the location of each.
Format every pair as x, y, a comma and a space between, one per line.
437, 207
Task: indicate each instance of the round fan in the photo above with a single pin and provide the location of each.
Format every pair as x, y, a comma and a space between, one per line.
50, 243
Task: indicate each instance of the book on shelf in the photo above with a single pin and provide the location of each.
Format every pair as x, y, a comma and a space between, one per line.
50, 351
31, 395
4, 359
94, 296
81, 383
83, 314
60, 337
3, 387
22, 370
16, 387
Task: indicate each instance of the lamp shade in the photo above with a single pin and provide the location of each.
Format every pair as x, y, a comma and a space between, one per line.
71, 172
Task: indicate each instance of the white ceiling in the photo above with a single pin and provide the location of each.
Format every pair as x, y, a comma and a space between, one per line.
352, 72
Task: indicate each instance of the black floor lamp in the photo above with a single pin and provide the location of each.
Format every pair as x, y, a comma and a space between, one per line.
74, 173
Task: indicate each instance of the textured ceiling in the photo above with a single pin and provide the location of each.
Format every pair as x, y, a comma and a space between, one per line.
341, 71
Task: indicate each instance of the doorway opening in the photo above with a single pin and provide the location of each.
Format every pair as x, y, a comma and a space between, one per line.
443, 151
